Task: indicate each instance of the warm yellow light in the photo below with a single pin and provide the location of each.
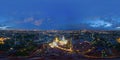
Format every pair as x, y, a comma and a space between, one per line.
2, 40
57, 43
56, 39
70, 49
53, 44
63, 42
118, 40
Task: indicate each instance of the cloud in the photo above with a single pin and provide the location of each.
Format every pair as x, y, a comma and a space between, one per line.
100, 23
38, 22
30, 20
118, 27
25, 20
4, 27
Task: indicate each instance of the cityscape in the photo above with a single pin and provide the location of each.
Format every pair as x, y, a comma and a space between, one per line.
59, 45
59, 29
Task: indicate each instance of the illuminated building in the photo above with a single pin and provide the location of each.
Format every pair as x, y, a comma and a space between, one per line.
59, 43
118, 40
2, 40
63, 41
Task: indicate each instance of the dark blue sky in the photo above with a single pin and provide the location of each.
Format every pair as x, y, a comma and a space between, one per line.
60, 14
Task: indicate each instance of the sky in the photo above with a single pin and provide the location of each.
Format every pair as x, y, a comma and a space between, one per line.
60, 14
